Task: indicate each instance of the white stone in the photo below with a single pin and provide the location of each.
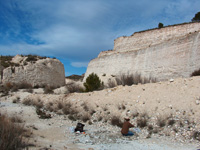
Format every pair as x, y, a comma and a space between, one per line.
197, 102
43, 72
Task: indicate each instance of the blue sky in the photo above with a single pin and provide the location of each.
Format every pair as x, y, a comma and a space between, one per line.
76, 31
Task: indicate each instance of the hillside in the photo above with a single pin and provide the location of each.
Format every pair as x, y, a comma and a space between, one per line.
167, 113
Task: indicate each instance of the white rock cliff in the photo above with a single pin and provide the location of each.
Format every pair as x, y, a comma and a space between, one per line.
39, 73
163, 53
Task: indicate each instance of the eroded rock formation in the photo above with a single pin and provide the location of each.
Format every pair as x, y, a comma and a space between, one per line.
39, 72
163, 53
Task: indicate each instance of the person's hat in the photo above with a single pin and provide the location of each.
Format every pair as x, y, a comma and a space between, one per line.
127, 118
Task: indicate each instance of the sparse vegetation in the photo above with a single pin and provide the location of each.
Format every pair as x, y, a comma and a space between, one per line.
12, 135
196, 73
92, 83
161, 122
131, 79
111, 83
73, 87
86, 117
115, 121
160, 25
142, 122
196, 18
48, 90
196, 135
42, 114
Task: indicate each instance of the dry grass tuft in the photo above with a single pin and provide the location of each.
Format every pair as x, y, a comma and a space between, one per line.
85, 117
161, 122
73, 87
115, 121
48, 90
12, 136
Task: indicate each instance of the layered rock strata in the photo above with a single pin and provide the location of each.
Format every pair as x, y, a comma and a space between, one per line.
164, 53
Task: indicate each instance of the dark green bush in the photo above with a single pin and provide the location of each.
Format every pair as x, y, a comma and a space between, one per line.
92, 83
160, 25
196, 73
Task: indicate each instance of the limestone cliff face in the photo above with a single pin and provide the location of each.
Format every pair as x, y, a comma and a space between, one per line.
165, 53
41, 72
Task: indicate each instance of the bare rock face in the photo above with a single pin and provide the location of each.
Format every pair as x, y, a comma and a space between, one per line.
39, 72
163, 53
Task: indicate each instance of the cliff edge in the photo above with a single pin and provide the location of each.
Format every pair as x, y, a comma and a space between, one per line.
161, 53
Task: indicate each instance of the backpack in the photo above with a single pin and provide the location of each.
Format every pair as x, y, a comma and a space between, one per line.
79, 127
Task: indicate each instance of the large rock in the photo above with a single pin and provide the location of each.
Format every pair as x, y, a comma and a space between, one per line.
37, 73
164, 53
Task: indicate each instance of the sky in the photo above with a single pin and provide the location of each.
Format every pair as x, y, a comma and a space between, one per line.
76, 31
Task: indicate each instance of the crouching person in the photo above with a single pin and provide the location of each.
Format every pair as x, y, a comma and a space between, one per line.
125, 128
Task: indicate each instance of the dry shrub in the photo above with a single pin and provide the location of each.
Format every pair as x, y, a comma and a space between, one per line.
27, 101
16, 100
115, 121
142, 120
50, 107
92, 111
161, 122
111, 83
16, 119
73, 87
60, 105
71, 117
38, 103
196, 135
67, 108
171, 122
11, 135
121, 106
100, 118
85, 107
30, 102
42, 114
86, 117
135, 114
48, 90
150, 128
131, 79
24, 85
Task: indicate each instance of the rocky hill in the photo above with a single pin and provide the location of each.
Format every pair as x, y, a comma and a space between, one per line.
34, 70
161, 53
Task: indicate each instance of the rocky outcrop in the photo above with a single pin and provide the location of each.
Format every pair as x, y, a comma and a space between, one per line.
38, 72
164, 53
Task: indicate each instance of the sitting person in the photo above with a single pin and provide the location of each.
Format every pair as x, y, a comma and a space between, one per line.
125, 128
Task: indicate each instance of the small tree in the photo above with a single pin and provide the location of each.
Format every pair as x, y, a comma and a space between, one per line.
160, 25
196, 17
92, 83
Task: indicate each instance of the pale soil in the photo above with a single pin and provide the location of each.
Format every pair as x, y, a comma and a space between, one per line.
179, 98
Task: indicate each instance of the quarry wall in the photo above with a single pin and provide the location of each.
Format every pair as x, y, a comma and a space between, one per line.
42, 72
148, 38
176, 54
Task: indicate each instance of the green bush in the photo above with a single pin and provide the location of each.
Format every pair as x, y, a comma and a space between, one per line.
196, 73
92, 82
160, 25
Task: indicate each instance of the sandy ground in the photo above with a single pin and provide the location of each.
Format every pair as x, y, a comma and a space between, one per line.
179, 98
